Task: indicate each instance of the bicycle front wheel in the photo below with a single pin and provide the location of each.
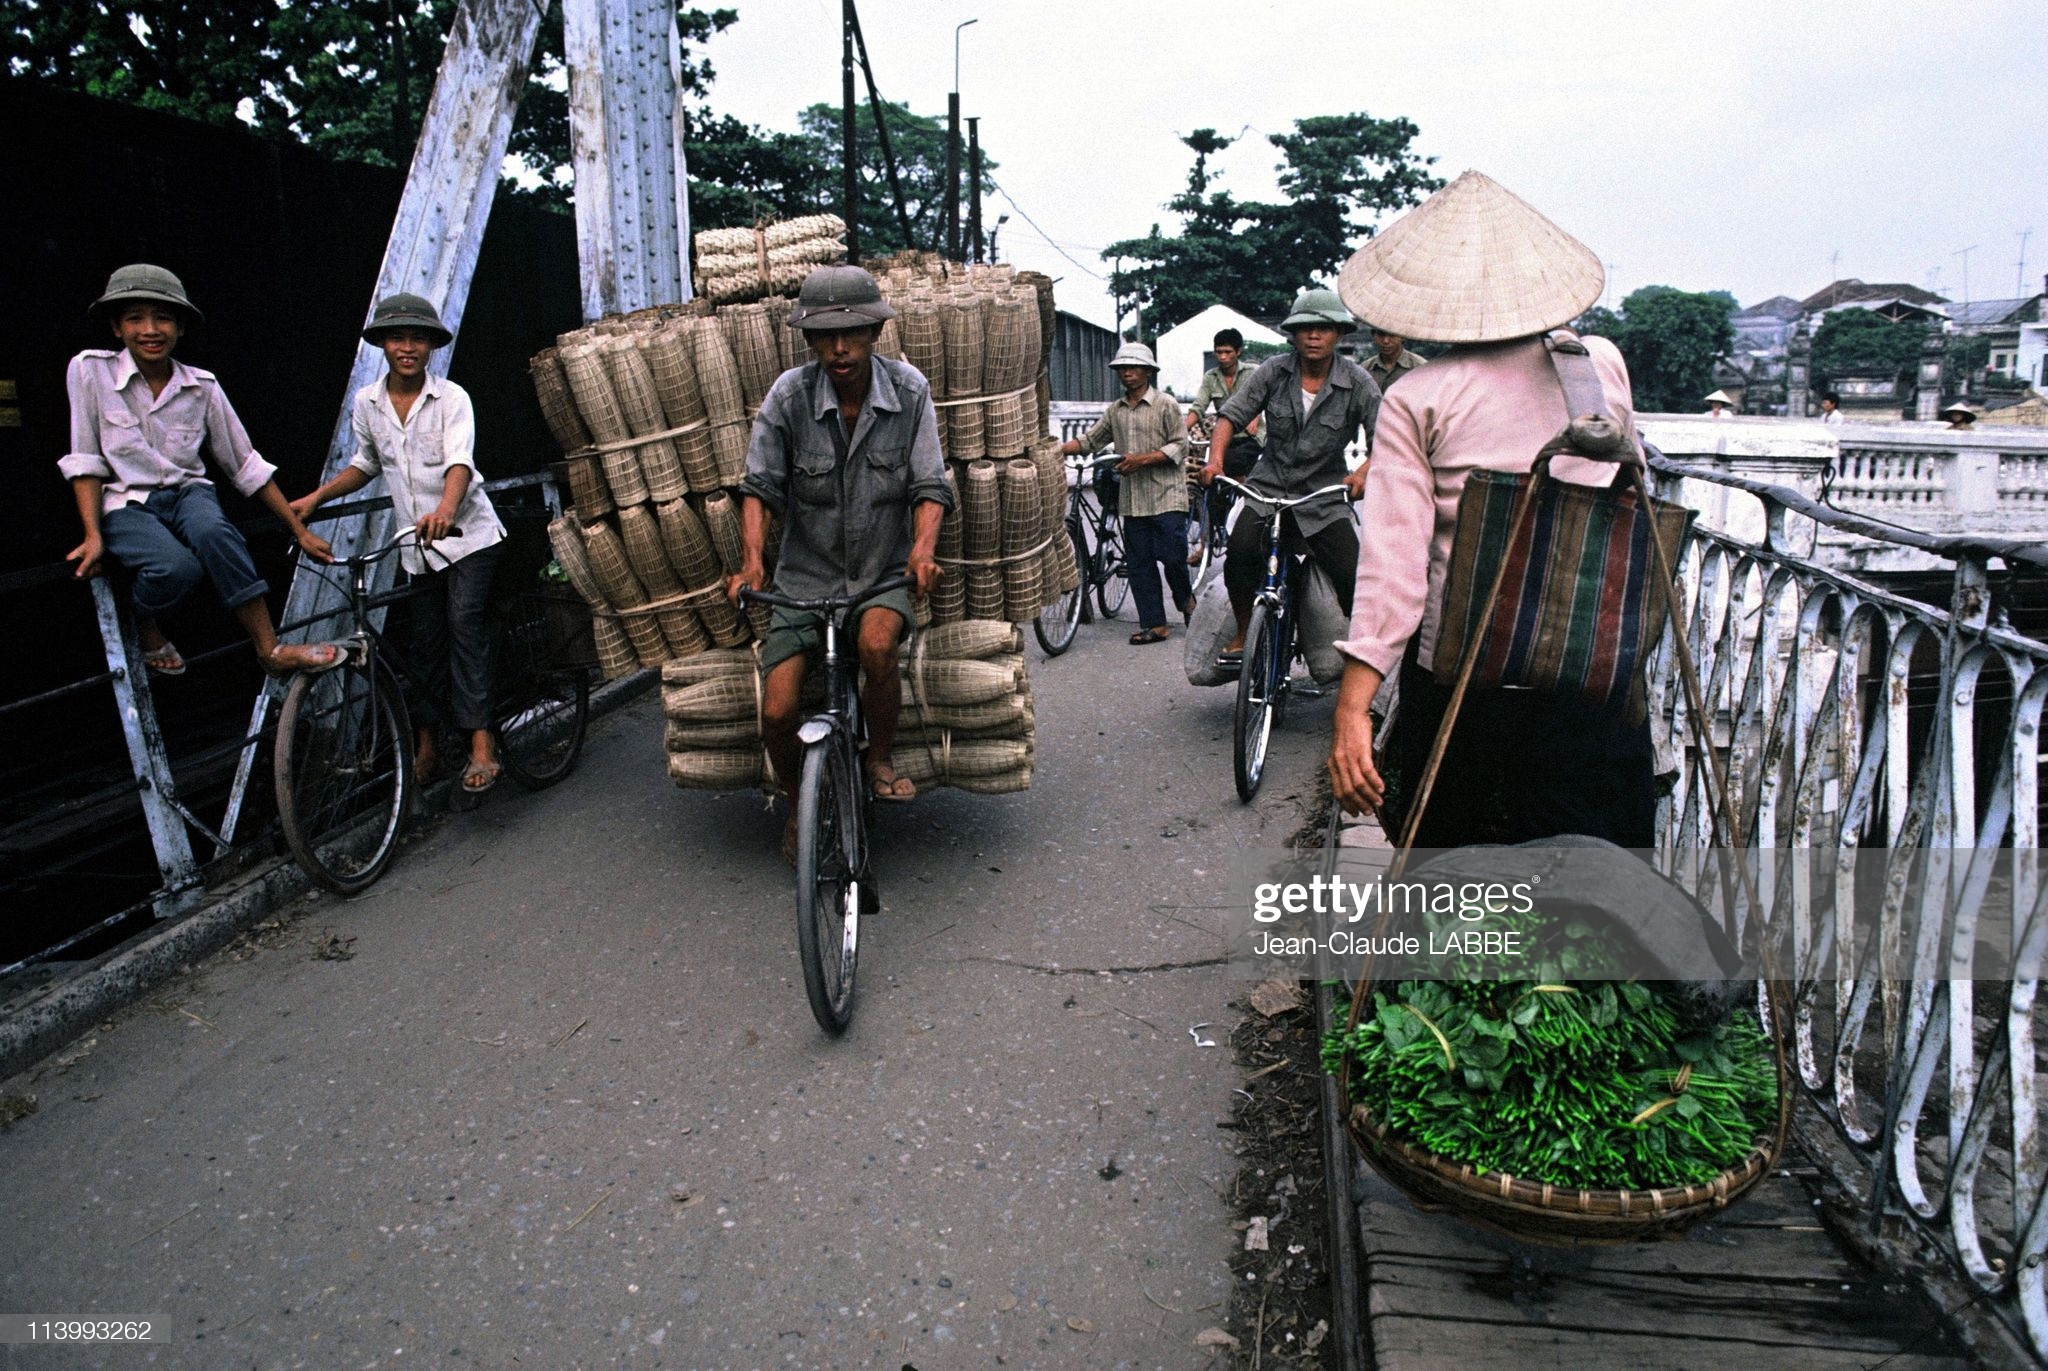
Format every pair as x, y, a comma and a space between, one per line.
829, 876
343, 768
1059, 621
1258, 687
1112, 580
543, 709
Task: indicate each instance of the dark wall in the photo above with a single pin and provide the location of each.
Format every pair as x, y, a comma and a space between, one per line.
279, 247
1079, 367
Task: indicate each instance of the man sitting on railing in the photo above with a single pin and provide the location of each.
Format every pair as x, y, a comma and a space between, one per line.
138, 422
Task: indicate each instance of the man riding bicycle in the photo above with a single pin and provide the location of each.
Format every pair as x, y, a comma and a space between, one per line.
846, 450
1313, 401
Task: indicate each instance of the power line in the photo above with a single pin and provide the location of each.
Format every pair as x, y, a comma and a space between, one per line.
1043, 234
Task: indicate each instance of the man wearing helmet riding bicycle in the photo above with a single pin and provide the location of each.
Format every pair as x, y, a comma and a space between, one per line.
846, 450
1314, 402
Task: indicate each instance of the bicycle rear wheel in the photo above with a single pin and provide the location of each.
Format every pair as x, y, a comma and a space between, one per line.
1112, 581
1057, 623
543, 709
343, 769
1257, 689
829, 876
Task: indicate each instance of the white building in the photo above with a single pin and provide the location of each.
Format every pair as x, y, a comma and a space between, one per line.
1183, 350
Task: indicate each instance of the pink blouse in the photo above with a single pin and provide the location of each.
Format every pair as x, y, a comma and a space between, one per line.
1490, 406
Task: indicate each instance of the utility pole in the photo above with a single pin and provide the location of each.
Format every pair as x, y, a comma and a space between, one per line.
1964, 253
881, 128
974, 185
848, 189
952, 221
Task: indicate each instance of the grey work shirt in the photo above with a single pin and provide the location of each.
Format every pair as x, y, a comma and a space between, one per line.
1305, 452
845, 501
1214, 390
1386, 373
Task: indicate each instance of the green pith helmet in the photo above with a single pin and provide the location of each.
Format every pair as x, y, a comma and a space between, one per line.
1319, 306
405, 310
141, 281
839, 297
1134, 355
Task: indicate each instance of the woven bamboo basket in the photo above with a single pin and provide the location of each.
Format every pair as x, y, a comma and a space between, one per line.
982, 539
720, 661
673, 364
911, 734
721, 699
965, 319
803, 253
1052, 510
623, 591
889, 341
953, 681
591, 383
1010, 365
615, 655
949, 596
558, 408
1011, 716
689, 551
641, 533
733, 733
1023, 518
633, 383
722, 522
713, 242
972, 759
718, 378
755, 351
739, 769
924, 342
974, 639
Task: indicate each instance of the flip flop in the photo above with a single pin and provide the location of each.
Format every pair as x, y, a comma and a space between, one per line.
322, 657
1151, 635
488, 771
165, 661
891, 790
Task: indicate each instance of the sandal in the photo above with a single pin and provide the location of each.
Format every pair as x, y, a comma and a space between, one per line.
286, 658
485, 772
1151, 635
891, 789
165, 661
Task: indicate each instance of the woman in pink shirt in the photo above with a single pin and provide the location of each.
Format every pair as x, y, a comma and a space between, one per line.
1476, 267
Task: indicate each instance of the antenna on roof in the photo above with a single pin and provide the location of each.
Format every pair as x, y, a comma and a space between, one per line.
1964, 253
2019, 280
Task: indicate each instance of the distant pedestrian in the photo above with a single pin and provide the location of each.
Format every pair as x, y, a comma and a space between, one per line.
1720, 404
1830, 409
1219, 383
1961, 414
1391, 359
138, 423
418, 431
1146, 428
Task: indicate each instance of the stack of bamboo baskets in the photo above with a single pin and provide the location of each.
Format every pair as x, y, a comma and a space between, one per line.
967, 716
737, 264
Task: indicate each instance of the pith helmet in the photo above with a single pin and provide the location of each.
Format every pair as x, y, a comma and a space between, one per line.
1319, 307
405, 310
1134, 355
839, 297
141, 281
1474, 263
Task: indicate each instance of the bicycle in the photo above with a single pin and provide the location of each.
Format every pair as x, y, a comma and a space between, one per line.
834, 867
1270, 648
1104, 573
342, 765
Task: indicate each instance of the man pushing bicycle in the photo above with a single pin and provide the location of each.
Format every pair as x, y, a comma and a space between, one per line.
1314, 400
846, 450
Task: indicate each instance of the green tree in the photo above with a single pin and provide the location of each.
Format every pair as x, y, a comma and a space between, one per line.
919, 144
1340, 173
1670, 339
1859, 342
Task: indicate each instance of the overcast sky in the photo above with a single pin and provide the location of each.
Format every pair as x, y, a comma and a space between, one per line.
1735, 146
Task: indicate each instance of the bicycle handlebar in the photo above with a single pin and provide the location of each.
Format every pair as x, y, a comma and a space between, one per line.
1279, 504
1080, 463
828, 603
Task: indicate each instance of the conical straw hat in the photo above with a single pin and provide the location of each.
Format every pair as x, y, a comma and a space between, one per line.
1474, 263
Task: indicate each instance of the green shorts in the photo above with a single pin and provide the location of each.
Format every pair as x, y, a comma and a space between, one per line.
791, 631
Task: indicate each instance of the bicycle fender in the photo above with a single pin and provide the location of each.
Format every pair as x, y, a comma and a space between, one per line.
814, 731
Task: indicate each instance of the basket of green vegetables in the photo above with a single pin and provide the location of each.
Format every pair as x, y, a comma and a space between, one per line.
1557, 1104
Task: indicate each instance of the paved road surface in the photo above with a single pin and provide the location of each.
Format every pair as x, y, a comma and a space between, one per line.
564, 1105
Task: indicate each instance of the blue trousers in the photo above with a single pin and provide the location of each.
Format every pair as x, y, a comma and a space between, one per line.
175, 539
1155, 542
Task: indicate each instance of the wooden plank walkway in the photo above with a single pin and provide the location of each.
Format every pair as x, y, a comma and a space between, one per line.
1766, 1288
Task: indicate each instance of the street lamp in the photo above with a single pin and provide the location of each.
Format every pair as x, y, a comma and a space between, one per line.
952, 216
994, 234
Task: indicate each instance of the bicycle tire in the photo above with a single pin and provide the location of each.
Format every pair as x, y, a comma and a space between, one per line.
543, 710
1059, 621
1112, 581
828, 886
1251, 729
343, 771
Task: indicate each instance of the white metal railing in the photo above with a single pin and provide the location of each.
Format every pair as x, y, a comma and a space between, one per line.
1850, 717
